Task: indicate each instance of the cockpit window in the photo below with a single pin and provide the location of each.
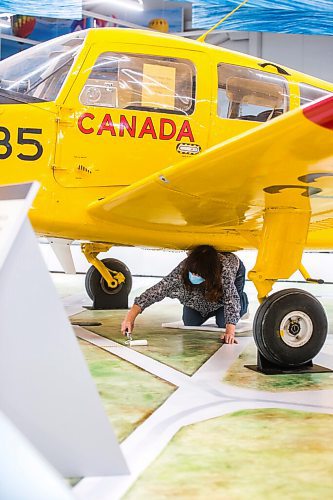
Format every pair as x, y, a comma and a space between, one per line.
40, 71
141, 82
308, 93
249, 94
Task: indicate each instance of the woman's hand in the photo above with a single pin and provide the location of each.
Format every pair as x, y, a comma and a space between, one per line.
127, 325
229, 336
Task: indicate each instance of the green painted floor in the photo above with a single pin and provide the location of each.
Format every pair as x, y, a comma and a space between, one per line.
240, 376
254, 454
129, 394
185, 350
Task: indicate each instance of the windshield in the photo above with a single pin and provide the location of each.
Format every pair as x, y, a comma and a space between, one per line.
40, 71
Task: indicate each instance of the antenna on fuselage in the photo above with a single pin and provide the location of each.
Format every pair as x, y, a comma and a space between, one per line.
202, 38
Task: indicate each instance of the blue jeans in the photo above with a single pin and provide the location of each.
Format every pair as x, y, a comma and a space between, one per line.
191, 317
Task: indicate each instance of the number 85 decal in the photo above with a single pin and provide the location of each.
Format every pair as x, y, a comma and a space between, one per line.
5, 142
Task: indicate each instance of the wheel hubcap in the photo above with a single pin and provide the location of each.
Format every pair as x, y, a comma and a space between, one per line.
110, 291
296, 329
116, 285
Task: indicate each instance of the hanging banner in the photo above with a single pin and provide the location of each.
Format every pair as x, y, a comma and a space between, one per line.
308, 17
64, 9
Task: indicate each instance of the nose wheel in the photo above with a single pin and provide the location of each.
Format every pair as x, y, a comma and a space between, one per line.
290, 328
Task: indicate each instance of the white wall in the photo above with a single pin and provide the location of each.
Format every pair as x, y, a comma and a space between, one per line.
307, 53
159, 263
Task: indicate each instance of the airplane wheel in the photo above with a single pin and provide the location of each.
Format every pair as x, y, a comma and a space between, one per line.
290, 328
96, 284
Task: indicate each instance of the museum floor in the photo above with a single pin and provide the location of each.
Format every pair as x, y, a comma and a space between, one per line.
192, 420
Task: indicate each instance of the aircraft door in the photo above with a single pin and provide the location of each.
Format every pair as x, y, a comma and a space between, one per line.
131, 112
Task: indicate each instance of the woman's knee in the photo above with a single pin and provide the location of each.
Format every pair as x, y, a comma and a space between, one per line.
191, 317
192, 322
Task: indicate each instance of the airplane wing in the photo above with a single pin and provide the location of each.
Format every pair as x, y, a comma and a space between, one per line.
287, 162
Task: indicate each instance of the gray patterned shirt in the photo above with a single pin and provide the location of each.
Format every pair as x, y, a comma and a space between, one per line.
173, 286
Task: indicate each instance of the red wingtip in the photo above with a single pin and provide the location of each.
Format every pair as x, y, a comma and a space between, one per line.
321, 112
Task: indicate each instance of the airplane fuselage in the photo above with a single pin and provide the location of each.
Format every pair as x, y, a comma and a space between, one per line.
104, 129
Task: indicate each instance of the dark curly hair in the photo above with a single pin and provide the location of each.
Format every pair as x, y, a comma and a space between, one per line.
204, 260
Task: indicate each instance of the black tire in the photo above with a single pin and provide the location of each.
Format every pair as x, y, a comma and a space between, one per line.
96, 284
283, 336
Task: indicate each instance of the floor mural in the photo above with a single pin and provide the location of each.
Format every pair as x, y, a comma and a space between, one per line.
241, 455
241, 376
184, 351
129, 394
218, 425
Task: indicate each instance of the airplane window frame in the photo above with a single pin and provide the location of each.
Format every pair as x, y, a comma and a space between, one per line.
238, 104
119, 85
318, 93
39, 73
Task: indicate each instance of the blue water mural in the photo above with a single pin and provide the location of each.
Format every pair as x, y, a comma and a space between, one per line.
310, 5
310, 17
64, 9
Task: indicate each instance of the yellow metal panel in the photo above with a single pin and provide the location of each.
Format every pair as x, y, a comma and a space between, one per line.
107, 146
28, 134
217, 197
283, 164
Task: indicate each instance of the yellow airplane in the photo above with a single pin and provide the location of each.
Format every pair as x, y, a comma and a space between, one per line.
148, 139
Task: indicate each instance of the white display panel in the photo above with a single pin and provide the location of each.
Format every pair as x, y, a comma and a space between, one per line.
24, 474
45, 386
15, 201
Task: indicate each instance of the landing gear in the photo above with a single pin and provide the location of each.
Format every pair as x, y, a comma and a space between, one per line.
98, 289
108, 281
290, 328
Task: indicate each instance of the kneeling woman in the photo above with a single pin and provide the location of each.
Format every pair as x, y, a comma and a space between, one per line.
208, 283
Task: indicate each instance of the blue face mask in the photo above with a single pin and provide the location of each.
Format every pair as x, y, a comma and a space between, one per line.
195, 280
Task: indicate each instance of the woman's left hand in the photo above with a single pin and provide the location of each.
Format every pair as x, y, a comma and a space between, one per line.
229, 339
229, 336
